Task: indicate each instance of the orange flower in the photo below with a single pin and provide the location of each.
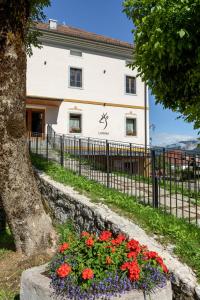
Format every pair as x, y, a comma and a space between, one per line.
63, 247
113, 249
87, 274
63, 270
89, 242
85, 233
108, 260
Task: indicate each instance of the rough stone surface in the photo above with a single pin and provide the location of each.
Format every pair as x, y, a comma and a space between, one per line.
35, 286
65, 203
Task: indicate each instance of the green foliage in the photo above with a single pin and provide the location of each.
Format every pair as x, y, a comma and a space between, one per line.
66, 231
104, 256
167, 51
6, 242
8, 295
36, 15
185, 237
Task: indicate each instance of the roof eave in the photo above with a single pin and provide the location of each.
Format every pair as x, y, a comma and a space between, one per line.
69, 41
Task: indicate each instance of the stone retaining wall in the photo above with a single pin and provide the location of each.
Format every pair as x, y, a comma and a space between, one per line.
65, 203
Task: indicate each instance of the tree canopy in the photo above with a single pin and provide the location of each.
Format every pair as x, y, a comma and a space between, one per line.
36, 15
167, 52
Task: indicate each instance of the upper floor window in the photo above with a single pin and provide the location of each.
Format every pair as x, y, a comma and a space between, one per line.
76, 53
75, 77
131, 127
130, 85
75, 125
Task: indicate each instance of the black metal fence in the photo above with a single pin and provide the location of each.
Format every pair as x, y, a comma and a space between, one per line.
168, 179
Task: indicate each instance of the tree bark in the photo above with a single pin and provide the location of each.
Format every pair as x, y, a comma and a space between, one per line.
31, 226
2, 218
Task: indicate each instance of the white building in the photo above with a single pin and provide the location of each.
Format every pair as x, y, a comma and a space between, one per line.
80, 83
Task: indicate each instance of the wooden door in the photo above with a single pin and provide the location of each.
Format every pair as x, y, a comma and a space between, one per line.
35, 122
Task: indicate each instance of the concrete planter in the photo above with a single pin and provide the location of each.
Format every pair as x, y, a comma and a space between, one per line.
35, 286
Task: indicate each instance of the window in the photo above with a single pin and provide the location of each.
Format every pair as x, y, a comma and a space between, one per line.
75, 53
75, 123
130, 85
75, 77
131, 127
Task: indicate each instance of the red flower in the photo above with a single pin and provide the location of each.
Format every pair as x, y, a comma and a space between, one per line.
113, 242
85, 233
134, 245
105, 236
125, 266
89, 242
133, 270
119, 239
164, 268
132, 255
87, 274
63, 270
151, 254
63, 247
159, 260
108, 260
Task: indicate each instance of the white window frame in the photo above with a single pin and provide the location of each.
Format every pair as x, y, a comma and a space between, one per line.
136, 126
69, 76
132, 94
81, 120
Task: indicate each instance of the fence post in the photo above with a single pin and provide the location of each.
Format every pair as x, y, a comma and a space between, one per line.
47, 146
80, 153
107, 164
54, 140
61, 151
29, 143
154, 180
37, 144
164, 167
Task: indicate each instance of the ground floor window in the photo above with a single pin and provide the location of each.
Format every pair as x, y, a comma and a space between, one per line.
75, 123
131, 127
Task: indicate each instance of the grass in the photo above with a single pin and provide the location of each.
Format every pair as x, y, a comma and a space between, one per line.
12, 264
184, 236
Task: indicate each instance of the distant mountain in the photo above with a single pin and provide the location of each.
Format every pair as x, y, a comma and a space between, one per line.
184, 145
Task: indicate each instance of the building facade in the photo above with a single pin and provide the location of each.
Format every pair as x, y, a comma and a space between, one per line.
80, 83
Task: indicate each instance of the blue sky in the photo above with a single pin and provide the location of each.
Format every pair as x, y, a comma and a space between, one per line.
106, 17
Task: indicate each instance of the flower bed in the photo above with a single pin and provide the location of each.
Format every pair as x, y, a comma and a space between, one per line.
92, 267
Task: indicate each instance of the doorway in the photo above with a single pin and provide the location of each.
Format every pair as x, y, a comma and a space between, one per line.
35, 122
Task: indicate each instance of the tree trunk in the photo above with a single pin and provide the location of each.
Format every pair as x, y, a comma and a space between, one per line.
31, 226
2, 217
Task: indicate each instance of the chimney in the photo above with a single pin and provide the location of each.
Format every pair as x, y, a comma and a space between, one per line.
52, 24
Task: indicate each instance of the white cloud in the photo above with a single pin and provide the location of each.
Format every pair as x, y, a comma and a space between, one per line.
164, 138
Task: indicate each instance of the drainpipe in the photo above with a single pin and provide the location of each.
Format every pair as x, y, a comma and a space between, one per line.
145, 117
